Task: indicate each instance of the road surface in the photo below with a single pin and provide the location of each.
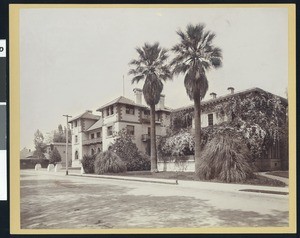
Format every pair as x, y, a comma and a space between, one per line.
55, 201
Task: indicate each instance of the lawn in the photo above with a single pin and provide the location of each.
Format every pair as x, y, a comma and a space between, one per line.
283, 174
258, 180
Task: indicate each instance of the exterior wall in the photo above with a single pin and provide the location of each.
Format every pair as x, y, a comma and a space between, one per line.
106, 139
185, 164
62, 151
129, 117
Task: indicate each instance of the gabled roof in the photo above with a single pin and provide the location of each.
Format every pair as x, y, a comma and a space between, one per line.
121, 100
86, 115
97, 125
227, 96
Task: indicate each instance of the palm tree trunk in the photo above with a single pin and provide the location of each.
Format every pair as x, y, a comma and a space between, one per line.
197, 118
153, 140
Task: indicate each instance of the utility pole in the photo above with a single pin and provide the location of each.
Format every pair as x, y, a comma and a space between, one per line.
67, 135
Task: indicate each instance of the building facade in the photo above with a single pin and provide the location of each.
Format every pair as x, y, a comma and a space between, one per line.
276, 157
92, 134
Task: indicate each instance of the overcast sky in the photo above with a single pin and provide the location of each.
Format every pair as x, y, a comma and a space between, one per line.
74, 59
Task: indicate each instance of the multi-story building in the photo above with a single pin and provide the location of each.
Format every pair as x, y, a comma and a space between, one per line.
94, 133
277, 153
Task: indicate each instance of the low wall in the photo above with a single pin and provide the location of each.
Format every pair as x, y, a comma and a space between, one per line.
179, 163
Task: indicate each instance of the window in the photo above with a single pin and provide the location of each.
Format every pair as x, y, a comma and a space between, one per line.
147, 113
98, 150
110, 110
76, 155
76, 139
92, 152
149, 130
75, 123
92, 136
130, 110
210, 119
109, 131
98, 134
130, 130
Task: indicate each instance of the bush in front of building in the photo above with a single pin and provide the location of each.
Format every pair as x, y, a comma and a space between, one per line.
88, 163
225, 158
108, 162
124, 147
54, 156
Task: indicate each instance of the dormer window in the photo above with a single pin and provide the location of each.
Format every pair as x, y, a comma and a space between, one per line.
130, 110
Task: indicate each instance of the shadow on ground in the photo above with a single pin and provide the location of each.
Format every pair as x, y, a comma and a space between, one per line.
55, 204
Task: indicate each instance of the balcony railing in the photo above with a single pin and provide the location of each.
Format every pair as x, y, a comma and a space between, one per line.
92, 141
146, 137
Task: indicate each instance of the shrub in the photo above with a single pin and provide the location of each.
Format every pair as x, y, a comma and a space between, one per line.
181, 143
55, 156
139, 163
124, 147
88, 162
109, 162
226, 158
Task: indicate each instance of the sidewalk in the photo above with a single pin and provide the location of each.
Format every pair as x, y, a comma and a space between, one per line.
284, 180
226, 187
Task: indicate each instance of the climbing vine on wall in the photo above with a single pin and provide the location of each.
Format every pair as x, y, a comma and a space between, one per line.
259, 117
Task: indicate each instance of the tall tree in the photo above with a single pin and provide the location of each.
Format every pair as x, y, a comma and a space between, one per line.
40, 146
194, 56
151, 66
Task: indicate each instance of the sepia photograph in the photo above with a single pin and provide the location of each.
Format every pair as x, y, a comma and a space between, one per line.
152, 118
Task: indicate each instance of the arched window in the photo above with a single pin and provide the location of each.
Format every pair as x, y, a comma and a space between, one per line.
76, 155
93, 151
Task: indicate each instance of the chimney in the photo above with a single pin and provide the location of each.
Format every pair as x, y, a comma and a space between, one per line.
231, 89
213, 95
162, 101
90, 111
138, 95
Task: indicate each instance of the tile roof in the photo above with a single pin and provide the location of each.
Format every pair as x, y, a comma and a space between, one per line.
97, 125
86, 115
225, 97
122, 100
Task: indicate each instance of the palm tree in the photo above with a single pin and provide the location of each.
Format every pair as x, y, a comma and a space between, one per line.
194, 56
151, 66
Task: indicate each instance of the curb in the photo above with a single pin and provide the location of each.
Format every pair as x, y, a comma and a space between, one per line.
124, 178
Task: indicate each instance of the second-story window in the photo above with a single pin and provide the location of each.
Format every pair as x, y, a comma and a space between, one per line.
98, 134
109, 131
76, 139
130, 110
92, 136
210, 119
130, 130
75, 123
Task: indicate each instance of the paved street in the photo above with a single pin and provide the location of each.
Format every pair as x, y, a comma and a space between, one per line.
50, 200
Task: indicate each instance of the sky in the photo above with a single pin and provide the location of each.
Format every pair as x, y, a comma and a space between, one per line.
75, 59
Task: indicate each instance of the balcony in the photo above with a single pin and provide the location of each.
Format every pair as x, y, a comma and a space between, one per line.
92, 141
146, 119
145, 137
